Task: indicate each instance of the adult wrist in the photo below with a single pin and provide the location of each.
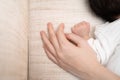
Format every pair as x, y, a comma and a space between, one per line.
102, 73
98, 72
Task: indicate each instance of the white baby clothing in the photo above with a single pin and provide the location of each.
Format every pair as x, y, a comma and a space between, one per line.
107, 37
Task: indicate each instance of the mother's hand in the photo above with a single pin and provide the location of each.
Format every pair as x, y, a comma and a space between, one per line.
79, 59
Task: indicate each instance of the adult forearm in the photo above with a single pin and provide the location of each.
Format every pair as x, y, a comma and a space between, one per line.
100, 73
103, 73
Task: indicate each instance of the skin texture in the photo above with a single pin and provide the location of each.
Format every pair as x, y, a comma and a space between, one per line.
82, 29
79, 59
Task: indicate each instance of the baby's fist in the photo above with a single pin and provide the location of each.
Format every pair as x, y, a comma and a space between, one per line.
82, 29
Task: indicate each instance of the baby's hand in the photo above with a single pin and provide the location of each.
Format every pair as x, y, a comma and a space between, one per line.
82, 29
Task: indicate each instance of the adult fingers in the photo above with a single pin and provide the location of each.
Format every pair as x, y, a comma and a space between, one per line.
47, 43
61, 36
52, 36
49, 55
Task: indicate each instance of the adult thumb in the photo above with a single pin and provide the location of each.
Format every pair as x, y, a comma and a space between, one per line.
79, 41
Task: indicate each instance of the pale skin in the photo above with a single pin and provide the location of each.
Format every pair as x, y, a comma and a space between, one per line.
82, 29
79, 60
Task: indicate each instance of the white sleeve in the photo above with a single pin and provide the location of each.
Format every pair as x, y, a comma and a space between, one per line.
107, 37
99, 49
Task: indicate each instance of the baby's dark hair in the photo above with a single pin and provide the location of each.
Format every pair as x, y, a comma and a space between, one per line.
108, 10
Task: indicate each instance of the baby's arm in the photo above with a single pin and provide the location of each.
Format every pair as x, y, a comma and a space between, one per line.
100, 49
105, 40
82, 29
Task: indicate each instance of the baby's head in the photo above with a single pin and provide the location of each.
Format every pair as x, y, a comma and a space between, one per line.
108, 10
